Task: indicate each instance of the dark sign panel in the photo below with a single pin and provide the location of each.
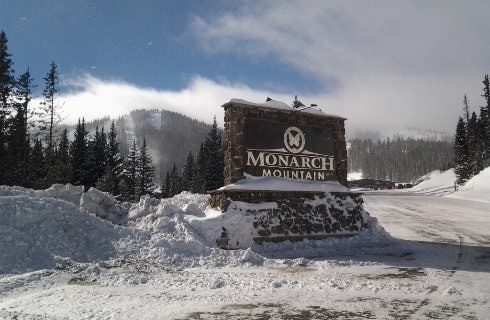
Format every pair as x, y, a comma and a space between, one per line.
288, 151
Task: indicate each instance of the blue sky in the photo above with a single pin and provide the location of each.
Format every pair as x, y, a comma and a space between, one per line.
385, 65
148, 43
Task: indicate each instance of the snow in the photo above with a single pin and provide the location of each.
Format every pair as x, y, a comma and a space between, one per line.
422, 257
281, 184
435, 183
354, 175
477, 188
273, 104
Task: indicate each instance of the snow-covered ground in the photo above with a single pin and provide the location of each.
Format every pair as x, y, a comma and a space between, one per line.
59, 260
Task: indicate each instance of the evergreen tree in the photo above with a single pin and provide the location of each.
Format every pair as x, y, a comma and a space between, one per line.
466, 108
37, 167
214, 155
48, 114
199, 180
19, 147
145, 171
175, 185
97, 157
131, 173
79, 156
62, 164
475, 148
485, 121
188, 174
7, 82
111, 180
461, 157
166, 186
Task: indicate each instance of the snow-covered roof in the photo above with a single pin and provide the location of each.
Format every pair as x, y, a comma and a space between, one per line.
281, 184
274, 104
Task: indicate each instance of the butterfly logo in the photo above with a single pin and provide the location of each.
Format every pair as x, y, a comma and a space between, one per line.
294, 140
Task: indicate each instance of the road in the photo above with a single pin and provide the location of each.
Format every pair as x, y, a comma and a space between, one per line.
430, 218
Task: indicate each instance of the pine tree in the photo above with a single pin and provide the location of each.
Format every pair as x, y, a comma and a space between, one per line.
7, 82
214, 155
166, 186
48, 114
19, 147
188, 174
131, 173
485, 121
79, 157
475, 151
145, 171
62, 168
37, 167
199, 179
111, 180
175, 182
97, 147
466, 108
461, 158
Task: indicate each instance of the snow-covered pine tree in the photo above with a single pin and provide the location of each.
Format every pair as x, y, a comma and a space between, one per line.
7, 82
214, 157
461, 159
145, 171
79, 155
188, 173
111, 180
130, 173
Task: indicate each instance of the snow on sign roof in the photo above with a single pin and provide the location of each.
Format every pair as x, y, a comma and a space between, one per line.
279, 105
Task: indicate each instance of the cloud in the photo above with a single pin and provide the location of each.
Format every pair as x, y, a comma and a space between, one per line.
201, 99
391, 63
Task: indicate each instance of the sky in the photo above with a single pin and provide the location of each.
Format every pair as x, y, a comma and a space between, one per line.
387, 66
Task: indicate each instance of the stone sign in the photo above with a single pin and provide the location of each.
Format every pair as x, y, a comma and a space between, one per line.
265, 141
273, 139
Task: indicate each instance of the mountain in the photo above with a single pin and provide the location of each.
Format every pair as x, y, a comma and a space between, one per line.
169, 136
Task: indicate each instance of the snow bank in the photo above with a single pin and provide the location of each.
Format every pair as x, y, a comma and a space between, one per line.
104, 206
35, 230
38, 232
435, 183
66, 192
477, 188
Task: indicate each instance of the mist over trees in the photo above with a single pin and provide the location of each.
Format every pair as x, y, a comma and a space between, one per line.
399, 159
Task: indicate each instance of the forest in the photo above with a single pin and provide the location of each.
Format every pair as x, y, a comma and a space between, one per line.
399, 159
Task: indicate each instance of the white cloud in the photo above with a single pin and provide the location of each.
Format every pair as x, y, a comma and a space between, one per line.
93, 98
394, 63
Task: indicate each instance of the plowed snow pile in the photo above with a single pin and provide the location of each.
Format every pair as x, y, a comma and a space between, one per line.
44, 228
477, 188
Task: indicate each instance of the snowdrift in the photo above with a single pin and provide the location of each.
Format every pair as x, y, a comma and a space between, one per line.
477, 188
436, 183
42, 228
